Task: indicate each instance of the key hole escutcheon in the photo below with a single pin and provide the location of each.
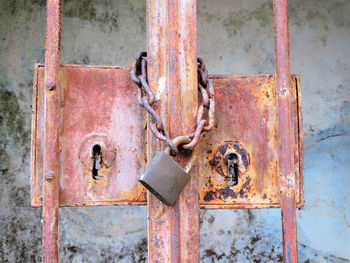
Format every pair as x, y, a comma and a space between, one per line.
232, 169
97, 157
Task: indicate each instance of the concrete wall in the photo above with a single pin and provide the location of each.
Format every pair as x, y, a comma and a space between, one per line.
234, 37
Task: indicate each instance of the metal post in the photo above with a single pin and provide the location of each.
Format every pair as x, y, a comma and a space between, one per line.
158, 226
187, 71
172, 71
51, 144
285, 132
174, 113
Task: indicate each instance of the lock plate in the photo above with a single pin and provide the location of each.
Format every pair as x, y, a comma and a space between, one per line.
164, 178
99, 106
246, 113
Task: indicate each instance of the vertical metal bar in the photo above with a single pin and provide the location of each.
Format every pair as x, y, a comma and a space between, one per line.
172, 69
174, 115
51, 131
158, 217
285, 135
187, 60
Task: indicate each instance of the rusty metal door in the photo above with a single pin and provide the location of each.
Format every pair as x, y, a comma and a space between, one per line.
77, 109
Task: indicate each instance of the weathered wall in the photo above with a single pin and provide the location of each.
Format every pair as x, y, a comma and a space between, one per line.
234, 37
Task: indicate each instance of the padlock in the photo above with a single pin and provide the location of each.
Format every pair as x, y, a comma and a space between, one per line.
164, 178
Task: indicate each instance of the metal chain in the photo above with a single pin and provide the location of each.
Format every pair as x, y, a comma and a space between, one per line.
205, 86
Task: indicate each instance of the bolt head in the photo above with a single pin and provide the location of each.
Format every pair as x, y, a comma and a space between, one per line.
51, 85
49, 176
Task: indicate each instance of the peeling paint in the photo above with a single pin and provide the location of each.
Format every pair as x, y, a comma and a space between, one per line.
161, 87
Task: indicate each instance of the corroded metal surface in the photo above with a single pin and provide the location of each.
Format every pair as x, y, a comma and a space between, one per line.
97, 107
220, 161
157, 212
285, 139
172, 71
246, 113
187, 86
51, 114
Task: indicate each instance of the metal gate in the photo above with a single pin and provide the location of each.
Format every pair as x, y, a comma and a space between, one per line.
78, 109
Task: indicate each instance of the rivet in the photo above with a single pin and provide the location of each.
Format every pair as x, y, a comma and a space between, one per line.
51, 85
49, 176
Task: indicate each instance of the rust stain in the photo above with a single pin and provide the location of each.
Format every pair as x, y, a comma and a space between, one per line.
219, 162
224, 193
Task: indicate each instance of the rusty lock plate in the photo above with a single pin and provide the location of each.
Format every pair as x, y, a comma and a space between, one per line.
99, 107
246, 116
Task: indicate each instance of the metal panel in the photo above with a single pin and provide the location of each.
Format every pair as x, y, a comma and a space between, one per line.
103, 100
246, 112
98, 106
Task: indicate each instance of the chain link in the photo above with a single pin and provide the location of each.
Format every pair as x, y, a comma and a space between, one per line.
205, 86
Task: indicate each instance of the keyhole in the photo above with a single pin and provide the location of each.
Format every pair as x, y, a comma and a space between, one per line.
232, 169
96, 155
